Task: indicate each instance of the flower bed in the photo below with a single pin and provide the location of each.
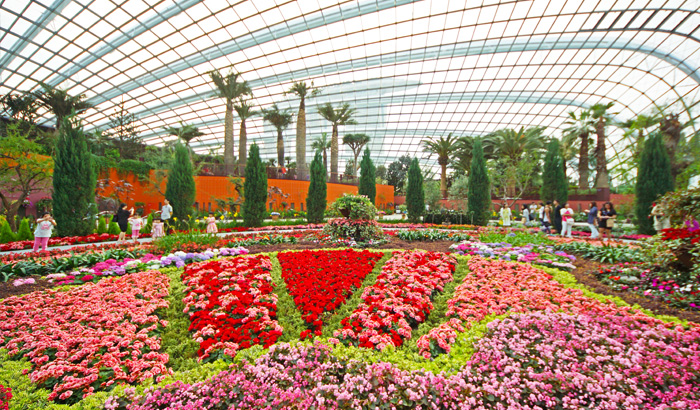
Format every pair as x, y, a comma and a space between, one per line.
64, 241
534, 254
5, 396
87, 339
231, 305
497, 287
400, 298
320, 281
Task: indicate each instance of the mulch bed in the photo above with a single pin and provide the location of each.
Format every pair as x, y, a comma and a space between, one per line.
584, 273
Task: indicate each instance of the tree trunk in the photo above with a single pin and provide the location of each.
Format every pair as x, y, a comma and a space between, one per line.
443, 181
325, 159
601, 180
671, 128
11, 209
301, 139
583, 162
334, 153
243, 141
229, 143
280, 148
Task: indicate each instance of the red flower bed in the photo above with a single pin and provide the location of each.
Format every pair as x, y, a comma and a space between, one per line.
64, 241
681, 233
5, 396
320, 281
231, 304
400, 298
90, 337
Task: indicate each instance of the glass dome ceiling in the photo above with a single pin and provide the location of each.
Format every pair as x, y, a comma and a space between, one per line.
412, 69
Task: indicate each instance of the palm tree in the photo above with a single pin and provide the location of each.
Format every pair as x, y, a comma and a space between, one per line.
340, 116
511, 144
302, 90
356, 142
601, 118
444, 148
280, 120
580, 128
22, 107
244, 111
60, 103
185, 132
322, 143
230, 89
462, 161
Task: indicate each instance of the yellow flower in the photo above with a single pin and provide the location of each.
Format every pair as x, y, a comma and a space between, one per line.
222, 217
196, 220
174, 218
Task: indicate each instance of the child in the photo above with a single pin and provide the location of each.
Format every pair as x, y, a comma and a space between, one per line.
44, 226
157, 229
136, 224
211, 224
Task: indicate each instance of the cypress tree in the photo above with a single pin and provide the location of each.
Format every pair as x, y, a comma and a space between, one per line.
180, 188
254, 189
368, 177
653, 180
113, 228
23, 232
101, 225
479, 195
316, 198
551, 173
6, 234
562, 191
74, 181
415, 197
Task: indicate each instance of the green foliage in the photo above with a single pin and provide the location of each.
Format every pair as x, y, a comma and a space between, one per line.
479, 197
177, 340
459, 188
178, 241
432, 195
288, 315
562, 190
113, 228
6, 234
139, 168
74, 182
653, 180
429, 235
415, 197
148, 225
516, 239
255, 189
680, 204
364, 232
396, 173
358, 206
316, 197
447, 215
180, 189
554, 183
605, 253
23, 232
368, 177
101, 225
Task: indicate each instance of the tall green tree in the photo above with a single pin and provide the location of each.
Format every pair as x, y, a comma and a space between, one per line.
510, 146
123, 133
462, 158
601, 119
323, 144
356, 142
337, 117
654, 179
562, 188
551, 172
280, 119
479, 197
244, 109
74, 181
302, 90
316, 198
185, 132
415, 197
254, 189
60, 103
229, 88
368, 177
443, 148
396, 173
180, 188
579, 130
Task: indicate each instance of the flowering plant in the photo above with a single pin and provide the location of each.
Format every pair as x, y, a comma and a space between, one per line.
358, 230
534, 254
5, 396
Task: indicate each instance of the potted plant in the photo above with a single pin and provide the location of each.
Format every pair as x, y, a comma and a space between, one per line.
402, 210
275, 215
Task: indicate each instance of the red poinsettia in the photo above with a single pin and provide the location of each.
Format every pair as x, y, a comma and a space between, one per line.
320, 281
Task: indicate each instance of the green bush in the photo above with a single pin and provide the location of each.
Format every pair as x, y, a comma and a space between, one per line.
653, 180
479, 196
358, 206
113, 229
358, 230
254, 189
24, 233
415, 197
180, 189
6, 234
316, 198
101, 225
368, 183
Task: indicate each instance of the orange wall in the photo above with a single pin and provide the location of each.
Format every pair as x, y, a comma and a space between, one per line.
210, 187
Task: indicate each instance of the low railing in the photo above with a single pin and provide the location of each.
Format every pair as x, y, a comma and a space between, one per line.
273, 173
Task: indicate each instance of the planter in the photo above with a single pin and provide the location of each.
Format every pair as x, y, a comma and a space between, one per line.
345, 212
275, 217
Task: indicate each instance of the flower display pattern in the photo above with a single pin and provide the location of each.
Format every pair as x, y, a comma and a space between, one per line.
534, 254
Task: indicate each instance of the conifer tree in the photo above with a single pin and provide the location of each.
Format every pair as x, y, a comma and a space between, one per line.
653, 180
562, 192
316, 199
6, 234
23, 232
479, 195
74, 181
113, 228
551, 172
415, 197
368, 177
254, 189
101, 225
180, 188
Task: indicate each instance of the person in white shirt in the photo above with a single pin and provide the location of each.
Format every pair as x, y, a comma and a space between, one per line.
567, 220
506, 214
166, 212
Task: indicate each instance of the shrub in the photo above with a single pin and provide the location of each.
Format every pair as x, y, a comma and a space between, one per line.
479, 197
6, 234
101, 225
316, 198
23, 232
358, 206
358, 230
180, 189
254, 189
653, 180
415, 197
113, 228
368, 178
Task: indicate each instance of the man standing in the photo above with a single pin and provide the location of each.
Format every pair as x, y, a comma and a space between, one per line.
557, 216
166, 213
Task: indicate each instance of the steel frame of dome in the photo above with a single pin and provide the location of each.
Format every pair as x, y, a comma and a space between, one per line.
412, 68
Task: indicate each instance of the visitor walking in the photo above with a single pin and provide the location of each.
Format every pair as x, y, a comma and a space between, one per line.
166, 212
42, 233
661, 220
557, 216
547, 218
506, 215
606, 220
211, 224
567, 220
593, 219
526, 215
157, 229
136, 223
122, 219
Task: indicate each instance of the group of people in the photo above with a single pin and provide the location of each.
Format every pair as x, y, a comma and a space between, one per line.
559, 219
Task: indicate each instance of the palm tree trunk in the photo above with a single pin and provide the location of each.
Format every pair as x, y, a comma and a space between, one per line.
301, 138
583, 163
325, 159
280, 147
229, 143
443, 181
601, 180
334, 153
243, 141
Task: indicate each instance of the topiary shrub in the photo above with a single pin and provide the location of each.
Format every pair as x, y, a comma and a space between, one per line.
113, 228
6, 234
101, 225
23, 232
415, 196
358, 225
316, 199
254, 189
355, 207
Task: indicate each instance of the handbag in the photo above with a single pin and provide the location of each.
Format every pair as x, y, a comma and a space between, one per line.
610, 223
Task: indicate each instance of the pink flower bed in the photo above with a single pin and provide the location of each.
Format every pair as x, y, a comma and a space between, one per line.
400, 298
496, 287
88, 338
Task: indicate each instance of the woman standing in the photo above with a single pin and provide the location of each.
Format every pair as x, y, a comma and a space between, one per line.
592, 217
122, 219
567, 220
547, 217
606, 220
44, 226
505, 214
526, 215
